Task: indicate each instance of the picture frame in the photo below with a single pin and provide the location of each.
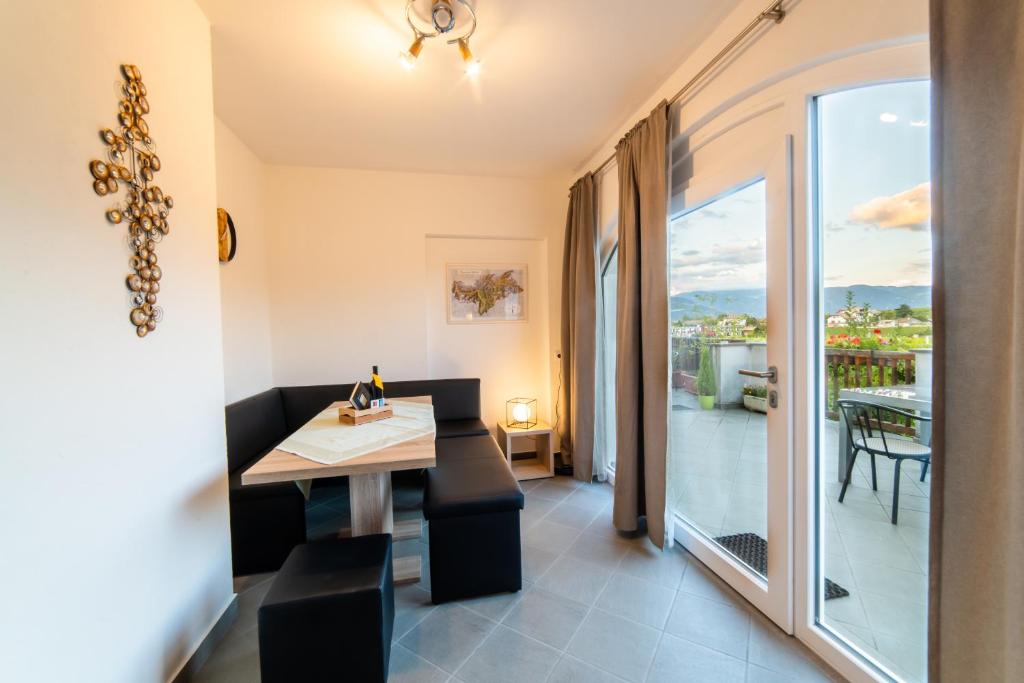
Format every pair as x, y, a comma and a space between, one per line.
480, 293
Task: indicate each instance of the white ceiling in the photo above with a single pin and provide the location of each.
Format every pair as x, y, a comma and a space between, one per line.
318, 82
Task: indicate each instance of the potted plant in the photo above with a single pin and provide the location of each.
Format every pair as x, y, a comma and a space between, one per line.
755, 397
706, 380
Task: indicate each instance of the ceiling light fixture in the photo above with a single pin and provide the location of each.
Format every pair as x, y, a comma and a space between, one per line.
888, 117
444, 21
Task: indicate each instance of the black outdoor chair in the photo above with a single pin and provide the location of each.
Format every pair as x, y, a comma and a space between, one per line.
864, 429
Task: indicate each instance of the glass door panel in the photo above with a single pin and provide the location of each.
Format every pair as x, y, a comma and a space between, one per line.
719, 328
874, 350
730, 426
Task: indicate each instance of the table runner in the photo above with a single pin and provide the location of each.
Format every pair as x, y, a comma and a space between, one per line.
327, 441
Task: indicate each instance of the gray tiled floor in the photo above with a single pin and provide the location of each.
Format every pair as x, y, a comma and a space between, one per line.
595, 606
717, 479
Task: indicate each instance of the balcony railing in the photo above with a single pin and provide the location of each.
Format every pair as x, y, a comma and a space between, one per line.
852, 368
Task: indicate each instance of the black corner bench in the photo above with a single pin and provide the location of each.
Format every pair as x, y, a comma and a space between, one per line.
471, 498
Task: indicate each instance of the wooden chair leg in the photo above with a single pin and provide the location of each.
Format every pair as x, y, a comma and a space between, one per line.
896, 491
849, 473
874, 475
924, 469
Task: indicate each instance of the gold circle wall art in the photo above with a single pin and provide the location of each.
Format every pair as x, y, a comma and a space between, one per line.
131, 164
227, 241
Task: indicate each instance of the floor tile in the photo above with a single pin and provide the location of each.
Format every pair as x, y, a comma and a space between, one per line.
601, 550
549, 536
572, 670
407, 667
647, 562
772, 649
536, 562
412, 605
571, 515
494, 607
699, 580
552, 492
681, 660
448, 636
614, 644
710, 623
575, 579
637, 600
509, 657
547, 617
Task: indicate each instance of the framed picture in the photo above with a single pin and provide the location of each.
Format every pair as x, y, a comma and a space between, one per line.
486, 292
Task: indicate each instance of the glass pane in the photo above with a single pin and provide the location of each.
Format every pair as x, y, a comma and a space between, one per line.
606, 379
718, 446
875, 309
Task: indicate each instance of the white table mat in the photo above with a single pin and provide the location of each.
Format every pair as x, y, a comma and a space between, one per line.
327, 441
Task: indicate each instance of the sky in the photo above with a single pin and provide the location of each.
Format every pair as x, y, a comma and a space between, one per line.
874, 202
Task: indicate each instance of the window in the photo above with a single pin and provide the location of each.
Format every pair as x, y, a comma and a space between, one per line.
606, 365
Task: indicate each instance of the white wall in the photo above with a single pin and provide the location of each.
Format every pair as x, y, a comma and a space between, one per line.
245, 280
115, 552
511, 359
349, 281
814, 31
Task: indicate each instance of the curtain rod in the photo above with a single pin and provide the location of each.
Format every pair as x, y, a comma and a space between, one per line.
774, 11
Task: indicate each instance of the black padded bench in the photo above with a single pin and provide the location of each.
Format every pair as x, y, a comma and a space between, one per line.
329, 614
472, 502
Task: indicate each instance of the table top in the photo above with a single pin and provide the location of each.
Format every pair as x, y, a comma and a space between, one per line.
911, 395
279, 466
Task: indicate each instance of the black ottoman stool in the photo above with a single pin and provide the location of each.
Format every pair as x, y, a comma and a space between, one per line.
330, 613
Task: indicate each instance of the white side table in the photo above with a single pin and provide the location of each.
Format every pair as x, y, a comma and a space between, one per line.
539, 467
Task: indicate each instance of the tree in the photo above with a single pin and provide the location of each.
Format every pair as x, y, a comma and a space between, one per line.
904, 311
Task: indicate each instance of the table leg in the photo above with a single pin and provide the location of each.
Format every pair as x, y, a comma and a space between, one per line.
844, 447
373, 513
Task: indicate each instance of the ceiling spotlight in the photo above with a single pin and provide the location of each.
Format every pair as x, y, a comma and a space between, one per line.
408, 58
472, 66
888, 117
457, 27
919, 124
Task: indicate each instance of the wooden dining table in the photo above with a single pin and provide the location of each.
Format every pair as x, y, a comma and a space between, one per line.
910, 397
369, 485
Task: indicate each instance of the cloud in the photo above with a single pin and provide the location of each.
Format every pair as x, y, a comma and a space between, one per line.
691, 252
907, 210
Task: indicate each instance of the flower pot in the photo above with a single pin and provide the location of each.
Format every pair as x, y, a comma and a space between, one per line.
706, 402
755, 403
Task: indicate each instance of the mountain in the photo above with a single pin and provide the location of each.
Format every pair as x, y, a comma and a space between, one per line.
752, 301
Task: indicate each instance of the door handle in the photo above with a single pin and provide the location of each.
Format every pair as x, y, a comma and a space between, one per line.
771, 374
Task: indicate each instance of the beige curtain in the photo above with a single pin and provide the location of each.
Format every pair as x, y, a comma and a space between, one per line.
579, 329
641, 382
976, 608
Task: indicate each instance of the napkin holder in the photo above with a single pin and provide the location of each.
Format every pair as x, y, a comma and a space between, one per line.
349, 415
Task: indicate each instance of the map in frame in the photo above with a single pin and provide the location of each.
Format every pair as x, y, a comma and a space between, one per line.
486, 293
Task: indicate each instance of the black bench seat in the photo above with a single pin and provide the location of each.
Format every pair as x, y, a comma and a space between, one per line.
472, 502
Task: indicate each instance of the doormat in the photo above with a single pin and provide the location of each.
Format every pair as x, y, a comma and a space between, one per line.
753, 550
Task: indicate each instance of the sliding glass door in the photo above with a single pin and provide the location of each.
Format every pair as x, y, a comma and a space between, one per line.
730, 455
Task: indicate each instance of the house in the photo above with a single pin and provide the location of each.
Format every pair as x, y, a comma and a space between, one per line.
339, 340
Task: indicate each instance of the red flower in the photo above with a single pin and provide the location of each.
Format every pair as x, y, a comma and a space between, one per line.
877, 331
843, 335
855, 341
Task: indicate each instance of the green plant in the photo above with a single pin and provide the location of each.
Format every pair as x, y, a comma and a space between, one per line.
705, 374
758, 390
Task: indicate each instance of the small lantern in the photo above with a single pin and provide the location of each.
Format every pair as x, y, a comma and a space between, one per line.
521, 413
